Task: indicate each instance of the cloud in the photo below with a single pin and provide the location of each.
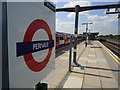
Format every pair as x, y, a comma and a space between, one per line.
82, 14
104, 24
96, 17
67, 27
105, 28
71, 15
64, 26
107, 18
74, 3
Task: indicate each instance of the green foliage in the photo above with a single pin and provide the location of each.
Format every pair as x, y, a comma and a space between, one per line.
110, 36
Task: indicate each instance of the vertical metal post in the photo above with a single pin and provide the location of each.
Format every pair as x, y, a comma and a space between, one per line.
86, 41
5, 63
89, 35
70, 54
77, 7
86, 34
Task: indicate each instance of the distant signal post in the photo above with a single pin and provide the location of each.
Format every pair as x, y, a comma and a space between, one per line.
86, 32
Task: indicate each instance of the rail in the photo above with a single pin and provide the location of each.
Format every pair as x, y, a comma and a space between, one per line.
113, 45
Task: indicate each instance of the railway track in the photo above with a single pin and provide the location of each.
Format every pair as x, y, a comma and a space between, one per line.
115, 48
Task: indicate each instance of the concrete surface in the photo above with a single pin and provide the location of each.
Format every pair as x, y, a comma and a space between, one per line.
93, 70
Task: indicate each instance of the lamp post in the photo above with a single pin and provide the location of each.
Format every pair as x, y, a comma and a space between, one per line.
89, 34
86, 32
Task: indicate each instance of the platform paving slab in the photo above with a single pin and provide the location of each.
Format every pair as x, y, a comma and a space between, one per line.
91, 87
78, 70
92, 71
106, 84
51, 87
75, 74
73, 82
106, 73
92, 81
108, 79
82, 62
55, 80
83, 58
92, 63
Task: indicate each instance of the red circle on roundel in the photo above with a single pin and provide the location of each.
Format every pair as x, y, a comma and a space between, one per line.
29, 59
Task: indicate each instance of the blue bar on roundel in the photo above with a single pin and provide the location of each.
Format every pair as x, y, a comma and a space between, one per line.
24, 48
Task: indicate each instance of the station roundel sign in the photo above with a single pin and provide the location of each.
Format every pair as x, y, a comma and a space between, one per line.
36, 25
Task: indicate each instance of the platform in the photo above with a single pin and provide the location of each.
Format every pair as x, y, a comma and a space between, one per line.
96, 69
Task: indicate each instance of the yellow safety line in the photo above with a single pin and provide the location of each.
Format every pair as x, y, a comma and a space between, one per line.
112, 55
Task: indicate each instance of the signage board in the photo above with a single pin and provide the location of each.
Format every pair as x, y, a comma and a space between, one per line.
31, 46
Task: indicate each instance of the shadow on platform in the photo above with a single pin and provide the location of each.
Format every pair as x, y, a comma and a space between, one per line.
83, 67
95, 47
91, 74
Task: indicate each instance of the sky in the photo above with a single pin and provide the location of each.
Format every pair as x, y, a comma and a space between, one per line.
103, 23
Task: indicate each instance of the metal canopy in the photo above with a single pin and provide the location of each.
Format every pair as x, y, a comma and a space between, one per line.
112, 12
72, 9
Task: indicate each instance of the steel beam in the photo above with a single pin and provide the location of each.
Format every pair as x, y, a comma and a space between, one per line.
72, 9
